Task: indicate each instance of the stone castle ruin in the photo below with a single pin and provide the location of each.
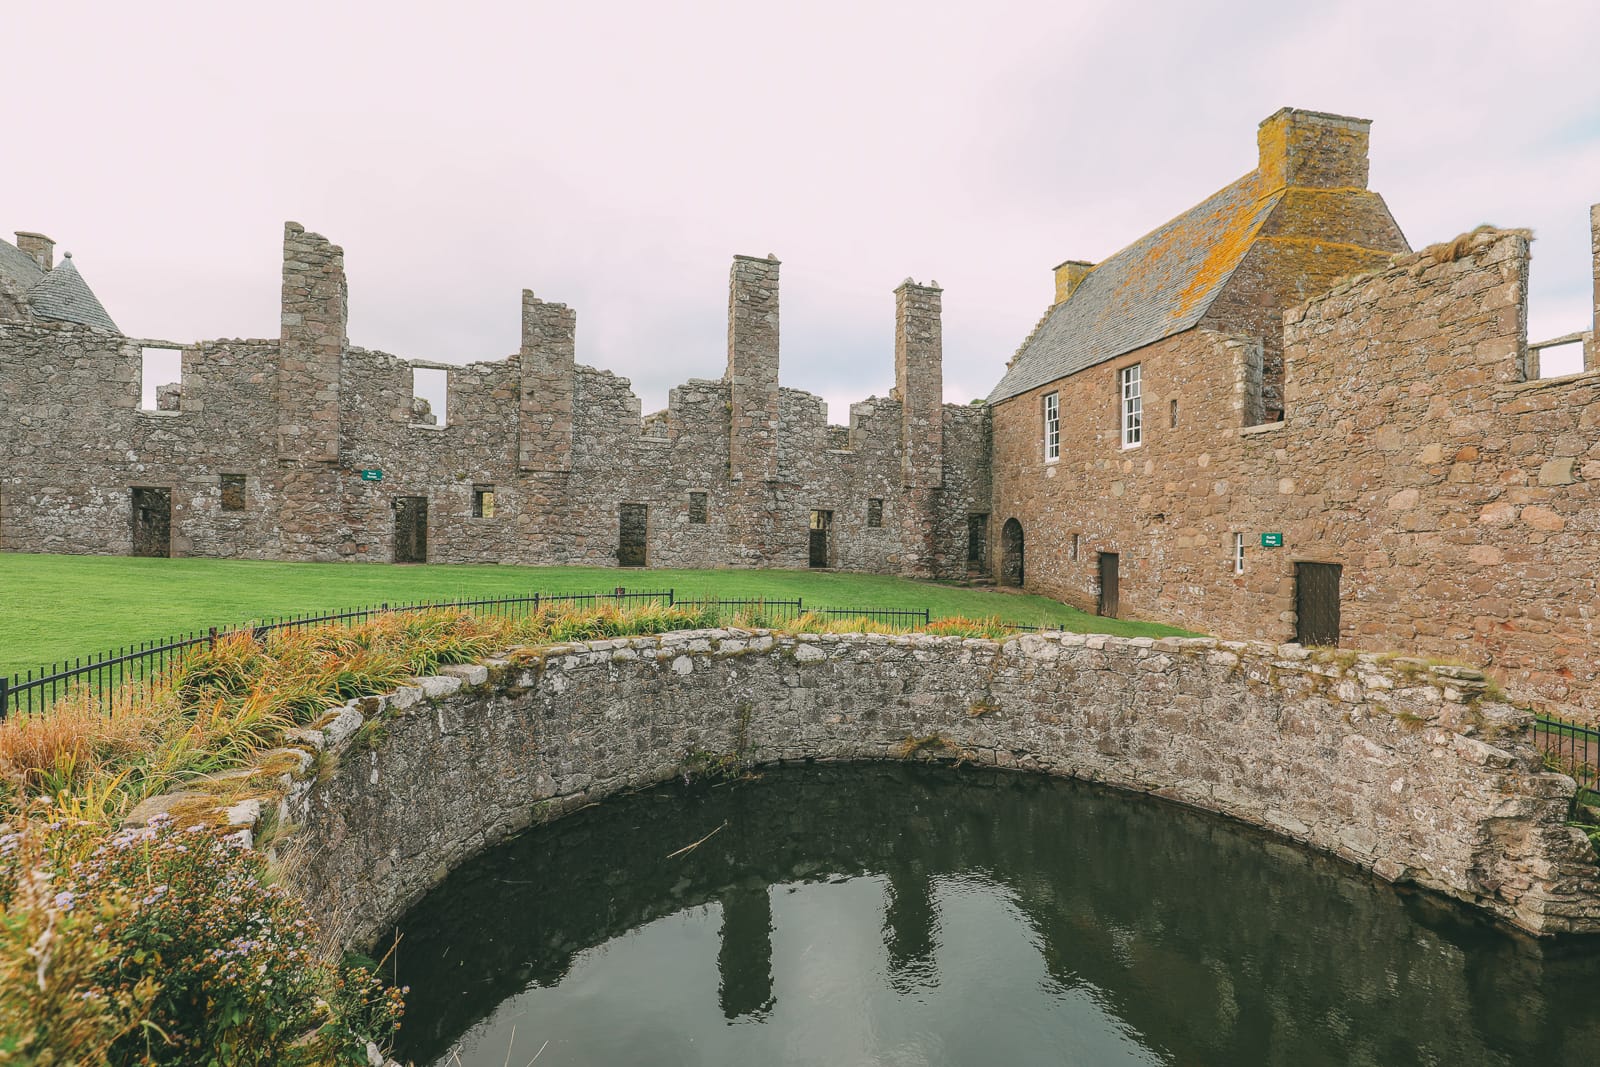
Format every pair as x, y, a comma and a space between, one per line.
1269, 418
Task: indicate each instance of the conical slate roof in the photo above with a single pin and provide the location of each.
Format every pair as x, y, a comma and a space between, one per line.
63, 295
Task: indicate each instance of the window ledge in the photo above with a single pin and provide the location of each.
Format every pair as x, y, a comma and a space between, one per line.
154, 414
1261, 427
426, 426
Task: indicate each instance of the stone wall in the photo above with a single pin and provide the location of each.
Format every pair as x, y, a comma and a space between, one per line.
1402, 769
561, 447
1459, 499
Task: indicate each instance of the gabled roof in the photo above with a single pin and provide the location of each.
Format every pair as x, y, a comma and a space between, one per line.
63, 295
1160, 285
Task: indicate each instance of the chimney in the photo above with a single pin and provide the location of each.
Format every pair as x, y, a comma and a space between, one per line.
38, 247
1069, 276
1309, 148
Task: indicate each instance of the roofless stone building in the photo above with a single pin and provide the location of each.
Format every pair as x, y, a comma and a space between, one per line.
1267, 418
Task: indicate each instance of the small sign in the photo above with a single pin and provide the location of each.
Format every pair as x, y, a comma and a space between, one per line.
372, 474
1272, 540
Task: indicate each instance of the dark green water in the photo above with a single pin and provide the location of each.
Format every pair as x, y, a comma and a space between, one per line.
889, 914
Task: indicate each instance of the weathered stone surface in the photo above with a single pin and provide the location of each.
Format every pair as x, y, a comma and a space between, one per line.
1398, 770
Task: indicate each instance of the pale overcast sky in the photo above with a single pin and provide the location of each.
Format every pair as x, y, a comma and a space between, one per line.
614, 156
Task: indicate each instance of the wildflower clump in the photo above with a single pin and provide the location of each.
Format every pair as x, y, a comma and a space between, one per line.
176, 950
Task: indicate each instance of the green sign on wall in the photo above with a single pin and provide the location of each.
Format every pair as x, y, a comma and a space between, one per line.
372, 474
1272, 540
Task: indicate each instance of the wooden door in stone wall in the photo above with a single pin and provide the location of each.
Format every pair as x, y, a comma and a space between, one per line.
632, 536
152, 521
821, 531
411, 529
1110, 594
1316, 603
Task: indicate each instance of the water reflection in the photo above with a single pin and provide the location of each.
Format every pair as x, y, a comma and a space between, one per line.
893, 914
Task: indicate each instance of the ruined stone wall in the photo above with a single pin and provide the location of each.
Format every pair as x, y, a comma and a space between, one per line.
1459, 500
1399, 769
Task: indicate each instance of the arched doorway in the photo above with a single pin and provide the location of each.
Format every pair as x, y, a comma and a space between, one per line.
1011, 553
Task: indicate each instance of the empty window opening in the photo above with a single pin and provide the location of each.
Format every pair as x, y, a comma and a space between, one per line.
430, 394
483, 501
978, 541
411, 529
874, 513
1238, 553
1172, 409
1556, 358
697, 509
1132, 407
821, 538
1073, 552
1052, 426
161, 379
233, 492
1011, 568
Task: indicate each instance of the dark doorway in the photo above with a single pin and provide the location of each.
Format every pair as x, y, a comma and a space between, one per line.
411, 529
977, 543
152, 522
1011, 553
1316, 603
1109, 600
631, 551
821, 532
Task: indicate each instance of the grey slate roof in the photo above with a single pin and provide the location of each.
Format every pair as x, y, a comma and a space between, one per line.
1160, 285
63, 295
18, 267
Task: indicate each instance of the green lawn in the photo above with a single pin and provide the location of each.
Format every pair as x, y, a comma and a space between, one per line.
57, 607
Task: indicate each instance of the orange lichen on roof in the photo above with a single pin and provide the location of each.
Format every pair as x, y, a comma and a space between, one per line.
1232, 227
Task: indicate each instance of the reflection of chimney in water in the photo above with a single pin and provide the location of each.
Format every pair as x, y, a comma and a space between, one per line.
745, 960
910, 928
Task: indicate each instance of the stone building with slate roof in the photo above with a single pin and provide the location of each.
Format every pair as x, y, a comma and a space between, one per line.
1266, 418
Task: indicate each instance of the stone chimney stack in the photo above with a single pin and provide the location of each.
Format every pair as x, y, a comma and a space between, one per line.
39, 247
752, 373
919, 382
548, 365
1309, 148
311, 342
1069, 276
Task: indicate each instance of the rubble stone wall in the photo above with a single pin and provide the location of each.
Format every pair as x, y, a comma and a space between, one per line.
1405, 770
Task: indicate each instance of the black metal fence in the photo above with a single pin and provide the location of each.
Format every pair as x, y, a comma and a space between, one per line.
1571, 748
131, 672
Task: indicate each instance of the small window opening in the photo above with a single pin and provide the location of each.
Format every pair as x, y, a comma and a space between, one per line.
1172, 408
1238, 553
430, 393
1557, 358
874, 512
483, 501
233, 492
1132, 407
1052, 426
1074, 550
161, 379
697, 509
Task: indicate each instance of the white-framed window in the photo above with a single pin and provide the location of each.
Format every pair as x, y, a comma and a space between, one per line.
1238, 553
1052, 427
1132, 407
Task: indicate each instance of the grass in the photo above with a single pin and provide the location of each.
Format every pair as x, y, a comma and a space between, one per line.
57, 607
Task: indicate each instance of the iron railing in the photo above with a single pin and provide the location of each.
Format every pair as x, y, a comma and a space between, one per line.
130, 672
1571, 748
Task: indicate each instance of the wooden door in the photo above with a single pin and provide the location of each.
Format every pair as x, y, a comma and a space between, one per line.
152, 521
1316, 603
632, 535
1109, 599
411, 529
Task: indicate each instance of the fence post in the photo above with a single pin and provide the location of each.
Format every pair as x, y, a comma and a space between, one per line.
211, 640
672, 597
5, 695
925, 618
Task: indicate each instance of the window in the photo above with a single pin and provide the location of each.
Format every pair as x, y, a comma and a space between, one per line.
430, 395
161, 379
483, 501
697, 509
1075, 548
874, 513
1173, 407
1238, 553
1132, 407
233, 492
1052, 427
